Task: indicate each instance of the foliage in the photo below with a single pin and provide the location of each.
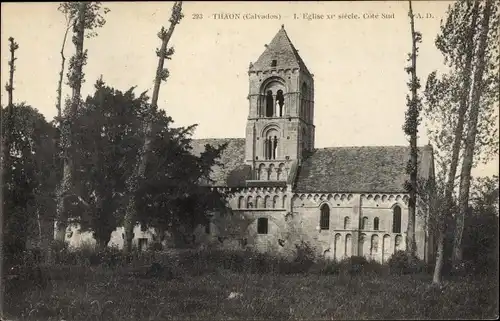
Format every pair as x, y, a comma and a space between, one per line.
106, 141
30, 177
403, 262
481, 226
443, 92
172, 195
203, 281
410, 127
135, 180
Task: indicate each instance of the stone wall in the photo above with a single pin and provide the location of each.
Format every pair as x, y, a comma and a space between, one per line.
295, 218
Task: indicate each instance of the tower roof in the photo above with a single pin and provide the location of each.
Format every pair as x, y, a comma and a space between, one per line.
283, 51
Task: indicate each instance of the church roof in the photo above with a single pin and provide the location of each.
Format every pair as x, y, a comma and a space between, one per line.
360, 169
283, 51
336, 169
234, 171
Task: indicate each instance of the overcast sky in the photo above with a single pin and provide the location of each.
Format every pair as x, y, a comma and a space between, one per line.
358, 64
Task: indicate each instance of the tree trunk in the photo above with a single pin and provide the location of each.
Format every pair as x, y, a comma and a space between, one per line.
458, 135
139, 174
410, 232
5, 154
465, 177
439, 259
61, 73
67, 130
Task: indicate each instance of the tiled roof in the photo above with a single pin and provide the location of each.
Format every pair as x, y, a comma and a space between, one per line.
234, 172
359, 169
282, 50
337, 169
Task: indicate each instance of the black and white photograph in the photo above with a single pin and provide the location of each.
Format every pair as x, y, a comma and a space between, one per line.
241, 160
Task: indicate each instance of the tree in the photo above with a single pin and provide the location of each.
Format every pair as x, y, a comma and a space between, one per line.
447, 109
29, 178
410, 128
86, 16
6, 139
480, 238
68, 9
161, 75
107, 141
172, 197
486, 62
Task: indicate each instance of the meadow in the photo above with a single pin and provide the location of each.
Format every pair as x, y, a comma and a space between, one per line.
218, 285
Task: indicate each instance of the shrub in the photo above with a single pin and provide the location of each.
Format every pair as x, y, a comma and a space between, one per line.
326, 267
402, 262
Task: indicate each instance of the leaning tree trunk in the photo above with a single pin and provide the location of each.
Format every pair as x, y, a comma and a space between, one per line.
76, 77
465, 177
458, 136
139, 174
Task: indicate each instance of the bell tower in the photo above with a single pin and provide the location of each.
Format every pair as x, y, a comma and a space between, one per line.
280, 126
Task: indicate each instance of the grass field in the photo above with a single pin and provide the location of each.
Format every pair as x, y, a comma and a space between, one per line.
201, 291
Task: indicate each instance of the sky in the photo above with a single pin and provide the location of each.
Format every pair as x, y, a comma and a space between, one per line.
357, 51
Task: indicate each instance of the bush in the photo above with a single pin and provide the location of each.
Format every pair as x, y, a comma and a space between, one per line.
403, 263
355, 265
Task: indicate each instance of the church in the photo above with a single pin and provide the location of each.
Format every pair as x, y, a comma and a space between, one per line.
284, 192
342, 201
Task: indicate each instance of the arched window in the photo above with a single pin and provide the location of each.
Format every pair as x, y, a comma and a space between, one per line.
347, 222
250, 202
364, 223
269, 104
348, 245
262, 225
271, 144
275, 147
267, 202
396, 219
374, 245
361, 244
275, 201
324, 220
280, 100
241, 200
375, 223
259, 203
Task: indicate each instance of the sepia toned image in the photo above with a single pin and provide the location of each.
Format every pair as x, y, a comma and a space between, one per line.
249, 160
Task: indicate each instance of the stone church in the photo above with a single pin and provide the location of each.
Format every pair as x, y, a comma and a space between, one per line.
342, 201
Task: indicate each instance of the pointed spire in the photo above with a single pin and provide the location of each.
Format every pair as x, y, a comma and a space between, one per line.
280, 53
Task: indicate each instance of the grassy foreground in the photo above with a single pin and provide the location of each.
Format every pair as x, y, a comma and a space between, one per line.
105, 293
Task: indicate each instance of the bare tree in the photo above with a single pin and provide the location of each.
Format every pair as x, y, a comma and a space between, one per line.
161, 75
